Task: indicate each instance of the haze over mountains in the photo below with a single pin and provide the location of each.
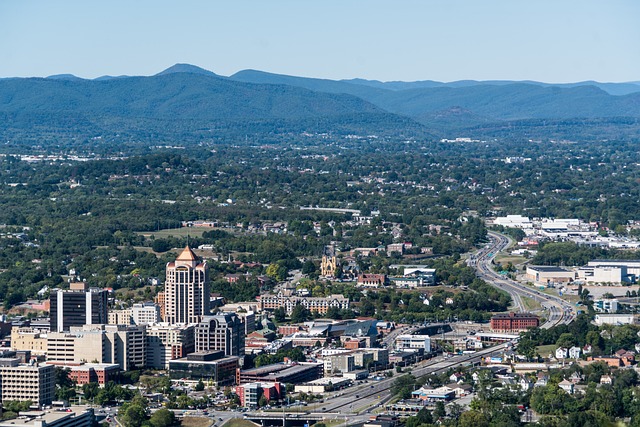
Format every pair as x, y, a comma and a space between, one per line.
189, 99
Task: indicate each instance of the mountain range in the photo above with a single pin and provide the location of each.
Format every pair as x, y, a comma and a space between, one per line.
190, 99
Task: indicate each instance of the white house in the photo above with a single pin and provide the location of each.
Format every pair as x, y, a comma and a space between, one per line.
567, 386
574, 352
562, 353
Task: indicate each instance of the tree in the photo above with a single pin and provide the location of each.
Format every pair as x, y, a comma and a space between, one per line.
279, 314
473, 419
439, 411
300, 314
277, 271
566, 340
199, 386
163, 418
90, 390
262, 401
132, 415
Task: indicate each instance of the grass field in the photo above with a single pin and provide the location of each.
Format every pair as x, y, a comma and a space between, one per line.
239, 422
199, 422
545, 350
531, 304
513, 259
176, 232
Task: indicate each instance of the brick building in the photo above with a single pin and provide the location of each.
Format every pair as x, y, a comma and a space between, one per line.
514, 322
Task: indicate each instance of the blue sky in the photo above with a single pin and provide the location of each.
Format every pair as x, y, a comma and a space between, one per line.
445, 40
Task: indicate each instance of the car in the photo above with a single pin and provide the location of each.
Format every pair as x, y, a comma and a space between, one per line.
371, 386
357, 396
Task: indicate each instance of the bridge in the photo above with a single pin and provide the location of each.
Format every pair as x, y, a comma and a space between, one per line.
287, 419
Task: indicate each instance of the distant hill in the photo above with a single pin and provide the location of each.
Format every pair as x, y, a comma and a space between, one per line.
186, 102
483, 101
184, 99
186, 68
610, 88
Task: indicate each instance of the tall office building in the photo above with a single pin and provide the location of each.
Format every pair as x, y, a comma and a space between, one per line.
186, 289
223, 331
77, 306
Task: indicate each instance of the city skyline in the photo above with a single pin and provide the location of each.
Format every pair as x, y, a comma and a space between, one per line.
408, 40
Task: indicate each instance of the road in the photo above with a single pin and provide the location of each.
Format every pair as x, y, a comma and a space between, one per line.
364, 398
558, 310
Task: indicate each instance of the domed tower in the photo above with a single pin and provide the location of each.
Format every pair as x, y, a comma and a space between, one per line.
186, 289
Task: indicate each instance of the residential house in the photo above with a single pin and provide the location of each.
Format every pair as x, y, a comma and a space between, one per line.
575, 378
574, 352
606, 380
567, 386
562, 353
525, 384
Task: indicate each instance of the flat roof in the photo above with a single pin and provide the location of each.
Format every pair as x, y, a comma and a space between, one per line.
548, 268
28, 419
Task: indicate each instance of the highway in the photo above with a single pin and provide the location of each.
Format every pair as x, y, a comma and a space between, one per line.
364, 398
558, 310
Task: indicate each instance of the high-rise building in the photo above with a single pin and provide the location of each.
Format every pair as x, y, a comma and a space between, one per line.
77, 306
223, 332
186, 289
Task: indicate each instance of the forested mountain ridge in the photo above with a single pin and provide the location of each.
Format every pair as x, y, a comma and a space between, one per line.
499, 100
190, 105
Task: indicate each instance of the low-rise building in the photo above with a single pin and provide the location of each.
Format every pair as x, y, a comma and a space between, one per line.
514, 322
413, 342
322, 385
371, 280
100, 373
615, 319
251, 393
545, 274
210, 367
30, 339
606, 305
287, 373
71, 418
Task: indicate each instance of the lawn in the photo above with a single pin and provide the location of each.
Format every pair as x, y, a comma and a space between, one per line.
200, 422
531, 304
238, 422
545, 350
176, 232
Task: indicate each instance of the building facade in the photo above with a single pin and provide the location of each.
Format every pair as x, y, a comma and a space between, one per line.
77, 306
168, 342
24, 382
288, 301
514, 322
223, 332
186, 289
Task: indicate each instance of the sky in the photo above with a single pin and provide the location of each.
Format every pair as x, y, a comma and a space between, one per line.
554, 41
